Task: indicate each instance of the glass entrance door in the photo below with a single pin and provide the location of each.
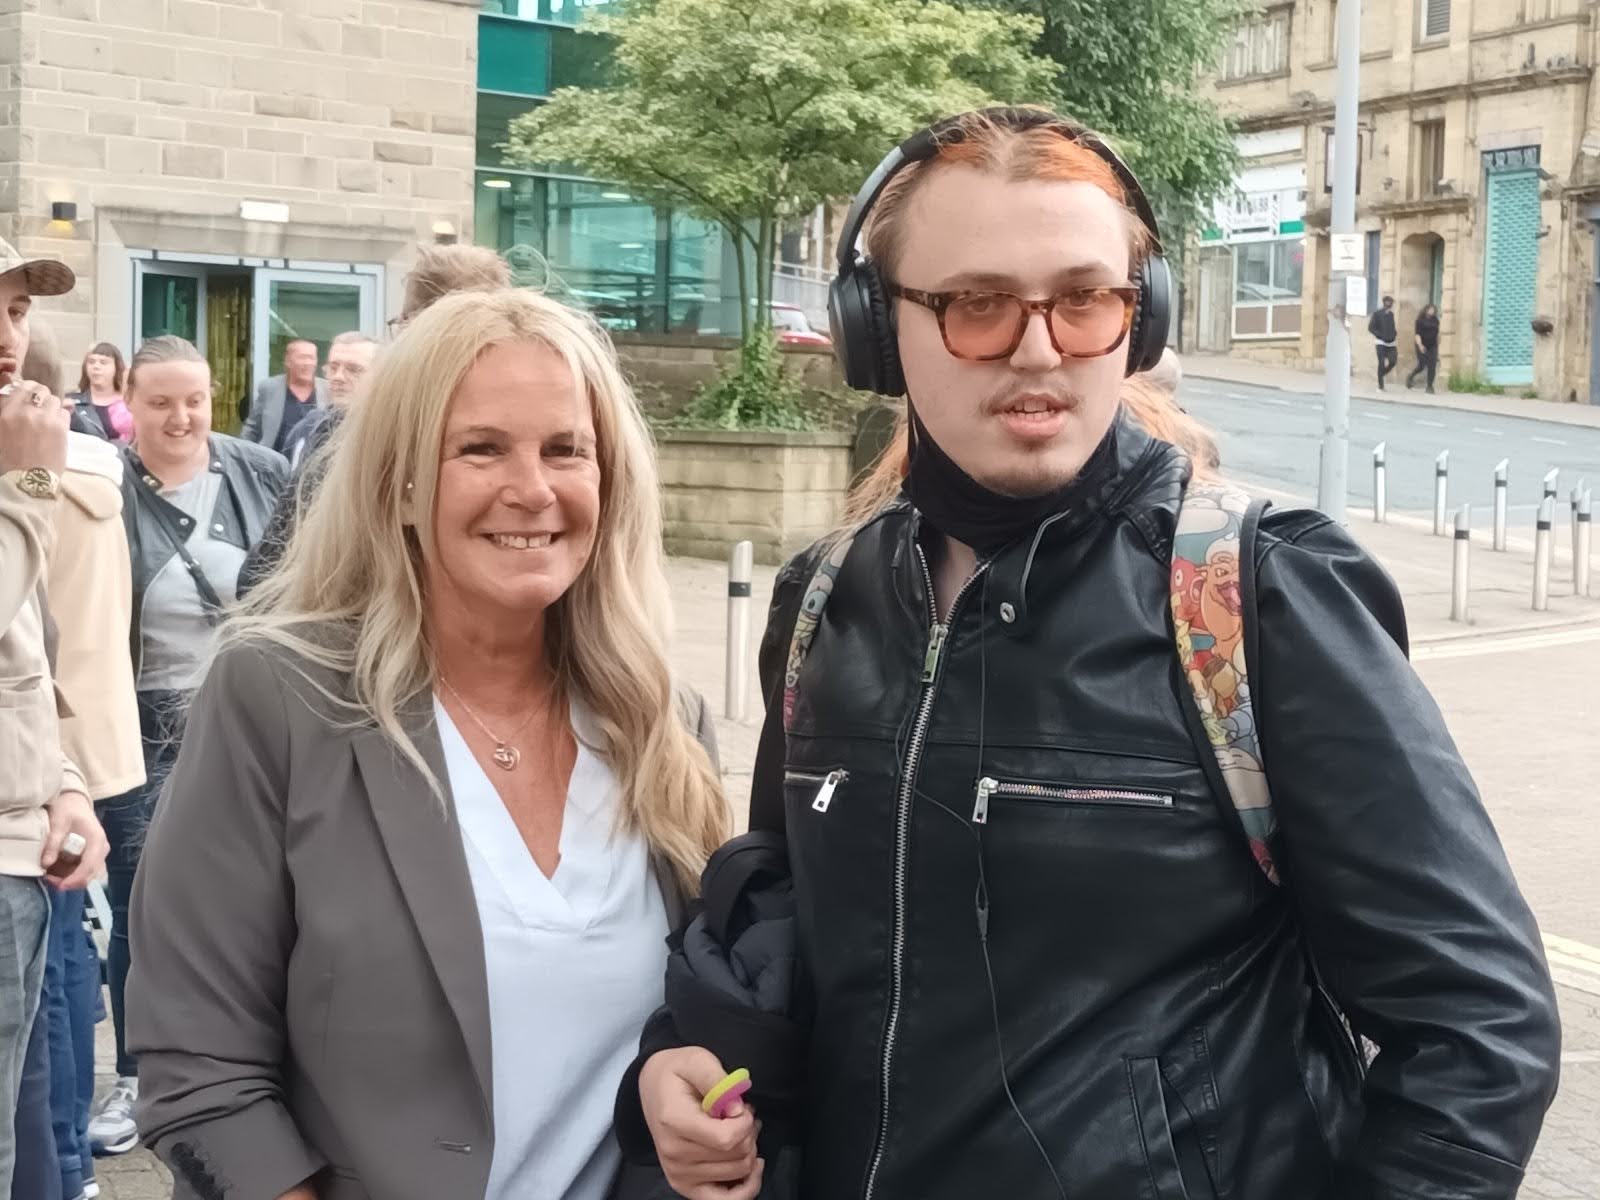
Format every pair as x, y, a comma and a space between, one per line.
309, 305
171, 298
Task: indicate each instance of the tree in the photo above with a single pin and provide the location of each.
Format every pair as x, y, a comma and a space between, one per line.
1131, 68
746, 112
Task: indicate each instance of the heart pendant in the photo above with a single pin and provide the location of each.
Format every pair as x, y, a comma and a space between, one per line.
506, 757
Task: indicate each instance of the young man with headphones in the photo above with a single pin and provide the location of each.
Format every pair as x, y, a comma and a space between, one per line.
1048, 954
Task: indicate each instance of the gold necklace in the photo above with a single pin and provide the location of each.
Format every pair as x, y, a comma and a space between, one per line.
505, 755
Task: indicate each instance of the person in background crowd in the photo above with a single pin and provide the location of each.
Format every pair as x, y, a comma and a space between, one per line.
88, 594
1381, 326
1167, 375
193, 504
1426, 338
98, 401
440, 271
349, 358
283, 401
404, 905
42, 793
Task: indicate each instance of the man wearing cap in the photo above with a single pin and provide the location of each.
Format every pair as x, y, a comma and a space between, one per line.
42, 795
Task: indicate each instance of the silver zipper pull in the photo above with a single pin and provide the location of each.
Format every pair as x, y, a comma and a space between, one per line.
980, 807
930, 661
830, 785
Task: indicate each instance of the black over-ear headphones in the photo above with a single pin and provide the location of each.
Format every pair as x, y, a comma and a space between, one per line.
861, 313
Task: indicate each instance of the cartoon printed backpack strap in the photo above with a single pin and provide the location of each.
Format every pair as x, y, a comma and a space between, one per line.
817, 594
1213, 614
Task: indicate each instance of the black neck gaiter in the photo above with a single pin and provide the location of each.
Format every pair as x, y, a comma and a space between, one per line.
960, 507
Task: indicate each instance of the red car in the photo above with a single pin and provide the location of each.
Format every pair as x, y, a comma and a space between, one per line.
794, 328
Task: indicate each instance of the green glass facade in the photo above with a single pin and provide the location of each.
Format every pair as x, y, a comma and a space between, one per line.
637, 266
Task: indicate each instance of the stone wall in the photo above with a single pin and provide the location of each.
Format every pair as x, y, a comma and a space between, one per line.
781, 491
157, 117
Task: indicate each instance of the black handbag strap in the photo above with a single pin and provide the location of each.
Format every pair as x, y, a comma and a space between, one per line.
209, 600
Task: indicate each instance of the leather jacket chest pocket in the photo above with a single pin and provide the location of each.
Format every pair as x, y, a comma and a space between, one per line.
992, 790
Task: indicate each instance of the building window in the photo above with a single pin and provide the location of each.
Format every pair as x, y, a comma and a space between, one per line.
636, 267
563, 12
1435, 18
1428, 158
1537, 10
1260, 46
1328, 159
1266, 288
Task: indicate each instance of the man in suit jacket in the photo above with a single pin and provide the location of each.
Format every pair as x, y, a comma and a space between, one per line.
283, 401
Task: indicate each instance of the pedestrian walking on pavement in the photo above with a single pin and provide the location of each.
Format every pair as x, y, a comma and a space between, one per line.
42, 793
1426, 338
1109, 796
1381, 326
193, 504
404, 907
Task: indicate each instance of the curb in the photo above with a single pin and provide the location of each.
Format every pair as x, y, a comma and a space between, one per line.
1579, 416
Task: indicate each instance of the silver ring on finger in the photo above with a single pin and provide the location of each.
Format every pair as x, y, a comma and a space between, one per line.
36, 398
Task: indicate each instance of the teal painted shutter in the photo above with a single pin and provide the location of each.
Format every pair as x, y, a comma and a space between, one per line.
1510, 276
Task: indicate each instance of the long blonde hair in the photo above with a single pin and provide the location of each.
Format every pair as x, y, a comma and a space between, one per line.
355, 565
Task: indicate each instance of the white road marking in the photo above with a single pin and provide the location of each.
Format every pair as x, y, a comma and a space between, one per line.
1273, 401
1432, 424
1376, 417
1488, 432
1535, 640
1544, 441
1574, 964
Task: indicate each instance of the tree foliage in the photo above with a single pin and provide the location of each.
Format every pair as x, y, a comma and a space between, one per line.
746, 112
1132, 68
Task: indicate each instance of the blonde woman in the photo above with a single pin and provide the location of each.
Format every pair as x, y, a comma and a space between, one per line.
402, 911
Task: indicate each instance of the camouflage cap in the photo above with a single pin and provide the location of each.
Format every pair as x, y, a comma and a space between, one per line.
44, 276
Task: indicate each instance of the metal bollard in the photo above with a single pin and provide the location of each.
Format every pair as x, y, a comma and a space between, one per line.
740, 565
1582, 541
1380, 483
1441, 484
1541, 556
1502, 481
1459, 578
1572, 524
1550, 479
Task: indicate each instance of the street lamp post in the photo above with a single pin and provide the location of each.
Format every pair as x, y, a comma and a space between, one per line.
1334, 479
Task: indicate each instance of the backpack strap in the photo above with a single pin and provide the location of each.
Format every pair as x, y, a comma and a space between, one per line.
1213, 606
816, 597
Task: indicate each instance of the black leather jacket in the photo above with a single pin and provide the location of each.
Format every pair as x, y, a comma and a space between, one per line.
1162, 1032
252, 478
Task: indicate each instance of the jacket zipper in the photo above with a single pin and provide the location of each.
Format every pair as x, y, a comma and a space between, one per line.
937, 633
826, 784
989, 788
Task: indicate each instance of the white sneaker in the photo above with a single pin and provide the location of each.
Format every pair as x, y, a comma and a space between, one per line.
91, 1190
112, 1130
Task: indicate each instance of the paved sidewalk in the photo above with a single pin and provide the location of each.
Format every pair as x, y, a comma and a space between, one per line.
1234, 370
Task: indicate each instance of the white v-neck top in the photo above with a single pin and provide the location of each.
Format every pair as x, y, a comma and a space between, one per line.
575, 964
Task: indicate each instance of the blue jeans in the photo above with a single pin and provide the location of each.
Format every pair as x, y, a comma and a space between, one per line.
125, 819
24, 923
38, 1173
71, 987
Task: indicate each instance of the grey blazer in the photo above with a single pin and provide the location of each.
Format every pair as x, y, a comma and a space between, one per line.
309, 995
266, 414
